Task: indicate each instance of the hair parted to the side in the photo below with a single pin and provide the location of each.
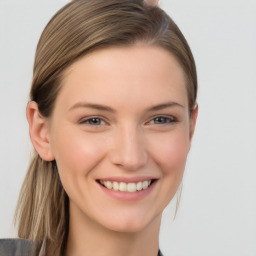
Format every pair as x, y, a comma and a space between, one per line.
78, 28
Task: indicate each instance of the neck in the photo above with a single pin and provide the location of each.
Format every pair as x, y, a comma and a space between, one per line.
87, 237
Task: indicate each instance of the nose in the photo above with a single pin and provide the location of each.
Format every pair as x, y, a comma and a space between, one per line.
128, 149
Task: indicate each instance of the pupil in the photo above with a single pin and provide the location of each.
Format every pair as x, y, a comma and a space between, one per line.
160, 120
94, 121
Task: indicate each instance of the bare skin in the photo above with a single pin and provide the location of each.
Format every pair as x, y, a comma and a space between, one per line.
121, 117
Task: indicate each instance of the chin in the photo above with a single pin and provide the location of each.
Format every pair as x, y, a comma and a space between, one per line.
131, 224
127, 227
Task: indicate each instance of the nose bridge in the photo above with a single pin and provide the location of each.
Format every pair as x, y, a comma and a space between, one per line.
129, 148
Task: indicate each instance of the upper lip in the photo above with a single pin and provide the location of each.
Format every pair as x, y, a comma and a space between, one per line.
128, 179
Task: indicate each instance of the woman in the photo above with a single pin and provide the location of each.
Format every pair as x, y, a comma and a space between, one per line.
112, 114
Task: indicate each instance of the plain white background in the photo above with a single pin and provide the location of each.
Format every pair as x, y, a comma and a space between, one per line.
217, 215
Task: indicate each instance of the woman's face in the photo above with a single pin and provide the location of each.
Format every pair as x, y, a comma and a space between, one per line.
120, 122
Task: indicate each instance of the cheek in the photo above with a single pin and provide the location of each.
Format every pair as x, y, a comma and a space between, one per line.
171, 153
173, 161
76, 154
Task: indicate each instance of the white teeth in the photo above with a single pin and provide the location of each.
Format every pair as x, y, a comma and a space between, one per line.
131, 187
123, 187
145, 184
139, 186
126, 187
108, 184
115, 186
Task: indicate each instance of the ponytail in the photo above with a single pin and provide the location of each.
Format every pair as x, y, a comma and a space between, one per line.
42, 209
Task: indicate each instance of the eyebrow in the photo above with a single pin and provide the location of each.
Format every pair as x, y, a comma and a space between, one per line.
109, 109
93, 106
165, 105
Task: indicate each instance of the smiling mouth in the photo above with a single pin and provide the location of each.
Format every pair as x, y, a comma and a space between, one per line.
130, 187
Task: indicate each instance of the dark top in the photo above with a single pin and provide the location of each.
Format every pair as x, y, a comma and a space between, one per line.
15, 247
21, 247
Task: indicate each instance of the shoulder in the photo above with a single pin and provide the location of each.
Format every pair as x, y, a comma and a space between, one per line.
15, 247
160, 253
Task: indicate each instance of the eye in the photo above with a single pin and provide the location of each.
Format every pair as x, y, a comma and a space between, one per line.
162, 120
94, 121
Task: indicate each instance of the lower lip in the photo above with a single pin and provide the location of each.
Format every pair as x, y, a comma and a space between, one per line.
128, 196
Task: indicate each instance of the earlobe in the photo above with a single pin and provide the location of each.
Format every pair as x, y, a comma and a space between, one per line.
193, 119
39, 132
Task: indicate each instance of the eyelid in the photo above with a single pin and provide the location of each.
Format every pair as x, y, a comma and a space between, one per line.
85, 120
172, 119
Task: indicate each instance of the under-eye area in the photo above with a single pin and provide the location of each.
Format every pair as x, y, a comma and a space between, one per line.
126, 187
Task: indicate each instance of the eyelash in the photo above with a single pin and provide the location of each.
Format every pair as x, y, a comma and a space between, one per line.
88, 120
167, 120
99, 121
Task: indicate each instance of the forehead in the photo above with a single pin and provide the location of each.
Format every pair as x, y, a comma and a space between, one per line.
118, 72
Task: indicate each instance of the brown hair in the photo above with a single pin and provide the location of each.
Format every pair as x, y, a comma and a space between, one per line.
78, 28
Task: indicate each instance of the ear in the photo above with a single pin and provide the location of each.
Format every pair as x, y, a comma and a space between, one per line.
193, 119
39, 132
